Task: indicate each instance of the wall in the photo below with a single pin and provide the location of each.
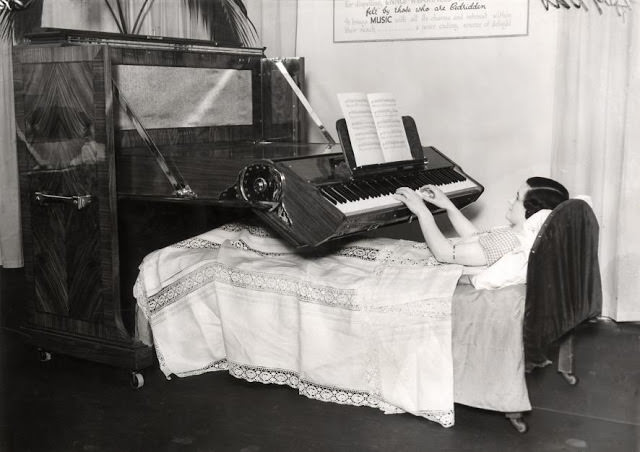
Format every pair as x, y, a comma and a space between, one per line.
486, 103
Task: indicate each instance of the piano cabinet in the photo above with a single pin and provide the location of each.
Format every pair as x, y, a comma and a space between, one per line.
88, 218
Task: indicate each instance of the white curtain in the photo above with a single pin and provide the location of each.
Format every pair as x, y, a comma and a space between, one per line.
597, 141
10, 239
276, 22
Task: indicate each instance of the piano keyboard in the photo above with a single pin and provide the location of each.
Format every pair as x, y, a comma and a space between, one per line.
310, 200
376, 193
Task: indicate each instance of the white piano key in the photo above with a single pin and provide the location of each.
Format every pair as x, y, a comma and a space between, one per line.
388, 201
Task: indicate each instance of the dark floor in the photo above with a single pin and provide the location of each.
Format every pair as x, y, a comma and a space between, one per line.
71, 405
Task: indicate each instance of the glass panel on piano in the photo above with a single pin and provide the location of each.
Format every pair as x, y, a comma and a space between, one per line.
283, 116
164, 97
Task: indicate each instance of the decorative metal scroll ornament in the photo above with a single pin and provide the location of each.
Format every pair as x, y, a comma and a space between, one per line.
261, 185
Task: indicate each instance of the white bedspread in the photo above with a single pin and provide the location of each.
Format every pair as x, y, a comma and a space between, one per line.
367, 324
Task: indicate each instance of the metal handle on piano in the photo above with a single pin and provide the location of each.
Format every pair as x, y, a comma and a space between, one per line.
80, 201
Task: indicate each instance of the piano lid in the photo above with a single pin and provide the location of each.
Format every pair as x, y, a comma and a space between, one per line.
66, 36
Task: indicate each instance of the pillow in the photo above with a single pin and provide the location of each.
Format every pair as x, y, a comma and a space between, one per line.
511, 268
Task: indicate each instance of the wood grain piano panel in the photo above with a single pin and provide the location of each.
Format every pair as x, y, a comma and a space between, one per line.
66, 247
61, 106
302, 197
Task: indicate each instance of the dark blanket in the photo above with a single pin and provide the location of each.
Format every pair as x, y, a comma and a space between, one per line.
563, 279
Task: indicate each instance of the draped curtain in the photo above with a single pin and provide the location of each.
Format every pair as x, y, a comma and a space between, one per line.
274, 20
596, 140
10, 243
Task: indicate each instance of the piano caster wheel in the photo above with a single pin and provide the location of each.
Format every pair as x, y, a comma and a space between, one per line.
570, 378
518, 422
137, 380
44, 355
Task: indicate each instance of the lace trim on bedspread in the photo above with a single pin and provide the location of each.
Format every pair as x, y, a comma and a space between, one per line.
242, 245
196, 242
369, 254
357, 251
258, 231
303, 290
328, 393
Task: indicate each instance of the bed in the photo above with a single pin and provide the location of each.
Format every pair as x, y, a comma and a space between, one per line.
368, 321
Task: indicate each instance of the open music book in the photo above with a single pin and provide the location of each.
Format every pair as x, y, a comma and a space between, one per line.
375, 128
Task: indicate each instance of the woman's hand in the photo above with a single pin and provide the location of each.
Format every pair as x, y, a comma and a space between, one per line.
413, 201
433, 195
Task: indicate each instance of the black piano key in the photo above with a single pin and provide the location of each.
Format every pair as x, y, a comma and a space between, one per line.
377, 186
336, 194
372, 188
367, 188
355, 187
372, 191
328, 196
396, 181
448, 175
354, 192
424, 180
410, 181
344, 191
439, 178
432, 180
389, 184
456, 176
414, 181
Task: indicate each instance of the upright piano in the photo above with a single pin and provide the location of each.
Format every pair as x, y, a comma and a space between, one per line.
127, 144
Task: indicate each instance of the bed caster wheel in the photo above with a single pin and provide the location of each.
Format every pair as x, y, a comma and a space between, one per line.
44, 355
569, 378
137, 380
518, 422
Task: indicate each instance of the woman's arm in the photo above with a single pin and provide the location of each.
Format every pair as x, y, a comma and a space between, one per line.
432, 194
464, 252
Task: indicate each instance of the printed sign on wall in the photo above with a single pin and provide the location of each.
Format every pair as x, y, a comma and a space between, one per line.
391, 20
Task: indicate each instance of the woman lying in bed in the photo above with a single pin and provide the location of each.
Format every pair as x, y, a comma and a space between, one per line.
505, 250
370, 322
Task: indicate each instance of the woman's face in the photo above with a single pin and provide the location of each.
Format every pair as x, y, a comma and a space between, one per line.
516, 211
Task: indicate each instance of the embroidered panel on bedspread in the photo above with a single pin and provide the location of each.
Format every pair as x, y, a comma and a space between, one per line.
367, 323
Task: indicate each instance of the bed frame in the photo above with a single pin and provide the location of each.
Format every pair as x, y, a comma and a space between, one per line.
564, 289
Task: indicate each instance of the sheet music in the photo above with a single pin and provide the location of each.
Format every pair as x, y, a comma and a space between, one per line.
367, 149
389, 126
375, 128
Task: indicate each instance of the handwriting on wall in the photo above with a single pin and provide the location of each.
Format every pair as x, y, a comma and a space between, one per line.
621, 7
386, 20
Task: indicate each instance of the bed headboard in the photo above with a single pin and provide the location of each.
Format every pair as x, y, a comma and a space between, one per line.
563, 277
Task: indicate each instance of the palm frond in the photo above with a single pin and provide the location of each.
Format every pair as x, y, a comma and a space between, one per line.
226, 21
146, 6
115, 17
10, 12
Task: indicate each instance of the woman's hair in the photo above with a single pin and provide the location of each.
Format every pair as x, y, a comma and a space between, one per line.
543, 193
